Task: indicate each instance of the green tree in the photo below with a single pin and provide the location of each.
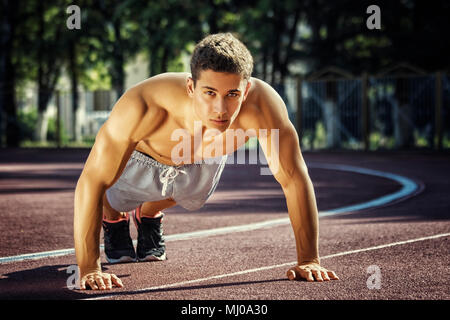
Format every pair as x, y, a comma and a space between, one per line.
43, 44
116, 37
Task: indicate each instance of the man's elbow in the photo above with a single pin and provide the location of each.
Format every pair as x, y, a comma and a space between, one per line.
295, 176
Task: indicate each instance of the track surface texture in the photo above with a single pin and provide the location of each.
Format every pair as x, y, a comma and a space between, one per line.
36, 214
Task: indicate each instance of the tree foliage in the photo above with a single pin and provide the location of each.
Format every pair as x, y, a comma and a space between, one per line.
285, 37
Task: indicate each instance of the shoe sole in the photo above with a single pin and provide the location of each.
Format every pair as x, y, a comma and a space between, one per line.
153, 258
123, 259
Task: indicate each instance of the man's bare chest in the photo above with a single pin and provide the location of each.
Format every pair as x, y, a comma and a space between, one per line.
173, 144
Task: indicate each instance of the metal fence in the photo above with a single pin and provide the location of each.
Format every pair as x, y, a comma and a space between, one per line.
331, 114
444, 111
93, 110
374, 112
340, 112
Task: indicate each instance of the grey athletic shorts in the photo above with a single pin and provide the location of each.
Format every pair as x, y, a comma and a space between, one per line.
145, 179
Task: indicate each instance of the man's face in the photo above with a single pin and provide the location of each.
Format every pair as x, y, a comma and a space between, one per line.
217, 97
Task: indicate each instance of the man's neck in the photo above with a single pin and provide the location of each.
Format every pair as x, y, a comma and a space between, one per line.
190, 121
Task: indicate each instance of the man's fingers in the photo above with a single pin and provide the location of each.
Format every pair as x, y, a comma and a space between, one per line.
317, 275
83, 284
116, 281
301, 273
291, 274
91, 283
332, 275
325, 275
108, 281
308, 275
100, 282
311, 274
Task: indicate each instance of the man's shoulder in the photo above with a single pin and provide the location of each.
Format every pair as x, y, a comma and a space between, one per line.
163, 81
271, 108
163, 89
260, 85
262, 92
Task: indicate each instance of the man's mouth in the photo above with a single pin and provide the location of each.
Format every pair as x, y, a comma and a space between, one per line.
219, 121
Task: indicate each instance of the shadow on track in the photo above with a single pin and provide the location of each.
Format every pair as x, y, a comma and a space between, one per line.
50, 283
42, 283
182, 288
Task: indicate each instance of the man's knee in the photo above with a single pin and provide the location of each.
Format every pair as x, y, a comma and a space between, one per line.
109, 212
106, 202
151, 208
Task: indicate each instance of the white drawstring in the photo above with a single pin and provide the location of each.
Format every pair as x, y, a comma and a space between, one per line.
168, 175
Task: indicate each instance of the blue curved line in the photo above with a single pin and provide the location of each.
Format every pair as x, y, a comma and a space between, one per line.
409, 187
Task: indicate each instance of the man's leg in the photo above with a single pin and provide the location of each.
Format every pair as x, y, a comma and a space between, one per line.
109, 213
148, 218
151, 209
116, 232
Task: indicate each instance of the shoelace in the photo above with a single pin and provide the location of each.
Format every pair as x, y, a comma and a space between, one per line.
168, 175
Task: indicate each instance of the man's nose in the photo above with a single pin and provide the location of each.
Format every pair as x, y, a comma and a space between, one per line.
220, 106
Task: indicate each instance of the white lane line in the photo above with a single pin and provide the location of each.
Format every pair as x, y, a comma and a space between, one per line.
288, 264
409, 187
173, 237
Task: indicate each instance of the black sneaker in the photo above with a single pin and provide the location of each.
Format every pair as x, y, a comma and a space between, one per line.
150, 245
118, 244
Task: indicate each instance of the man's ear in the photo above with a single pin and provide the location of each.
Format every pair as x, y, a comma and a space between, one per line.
190, 86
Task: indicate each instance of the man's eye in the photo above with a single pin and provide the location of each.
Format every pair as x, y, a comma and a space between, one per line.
232, 94
211, 93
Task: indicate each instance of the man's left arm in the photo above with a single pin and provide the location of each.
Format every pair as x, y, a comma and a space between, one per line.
282, 149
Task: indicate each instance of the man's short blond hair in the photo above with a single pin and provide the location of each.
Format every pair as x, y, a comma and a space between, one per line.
221, 52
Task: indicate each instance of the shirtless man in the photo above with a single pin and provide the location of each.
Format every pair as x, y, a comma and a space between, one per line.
132, 168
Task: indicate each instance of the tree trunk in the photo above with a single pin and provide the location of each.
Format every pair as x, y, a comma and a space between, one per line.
118, 64
154, 49
44, 97
278, 30
8, 106
165, 59
213, 18
402, 115
292, 33
73, 69
119, 75
48, 74
331, 115
41, 126
264, 67
152, 65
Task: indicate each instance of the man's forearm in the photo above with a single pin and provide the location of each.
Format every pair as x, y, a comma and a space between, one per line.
303, 213
87, 225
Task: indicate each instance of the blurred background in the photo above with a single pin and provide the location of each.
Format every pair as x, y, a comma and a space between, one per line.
346, 86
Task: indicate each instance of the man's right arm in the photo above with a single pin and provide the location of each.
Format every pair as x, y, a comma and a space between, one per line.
113, 146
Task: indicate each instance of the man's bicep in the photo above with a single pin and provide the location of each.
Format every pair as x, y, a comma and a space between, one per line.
282, 150
108, 157
281, 144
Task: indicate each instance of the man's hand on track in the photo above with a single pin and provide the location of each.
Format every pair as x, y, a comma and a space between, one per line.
100, 281
310, 272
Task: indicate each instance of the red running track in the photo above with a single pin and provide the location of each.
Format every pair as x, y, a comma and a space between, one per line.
407, 240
